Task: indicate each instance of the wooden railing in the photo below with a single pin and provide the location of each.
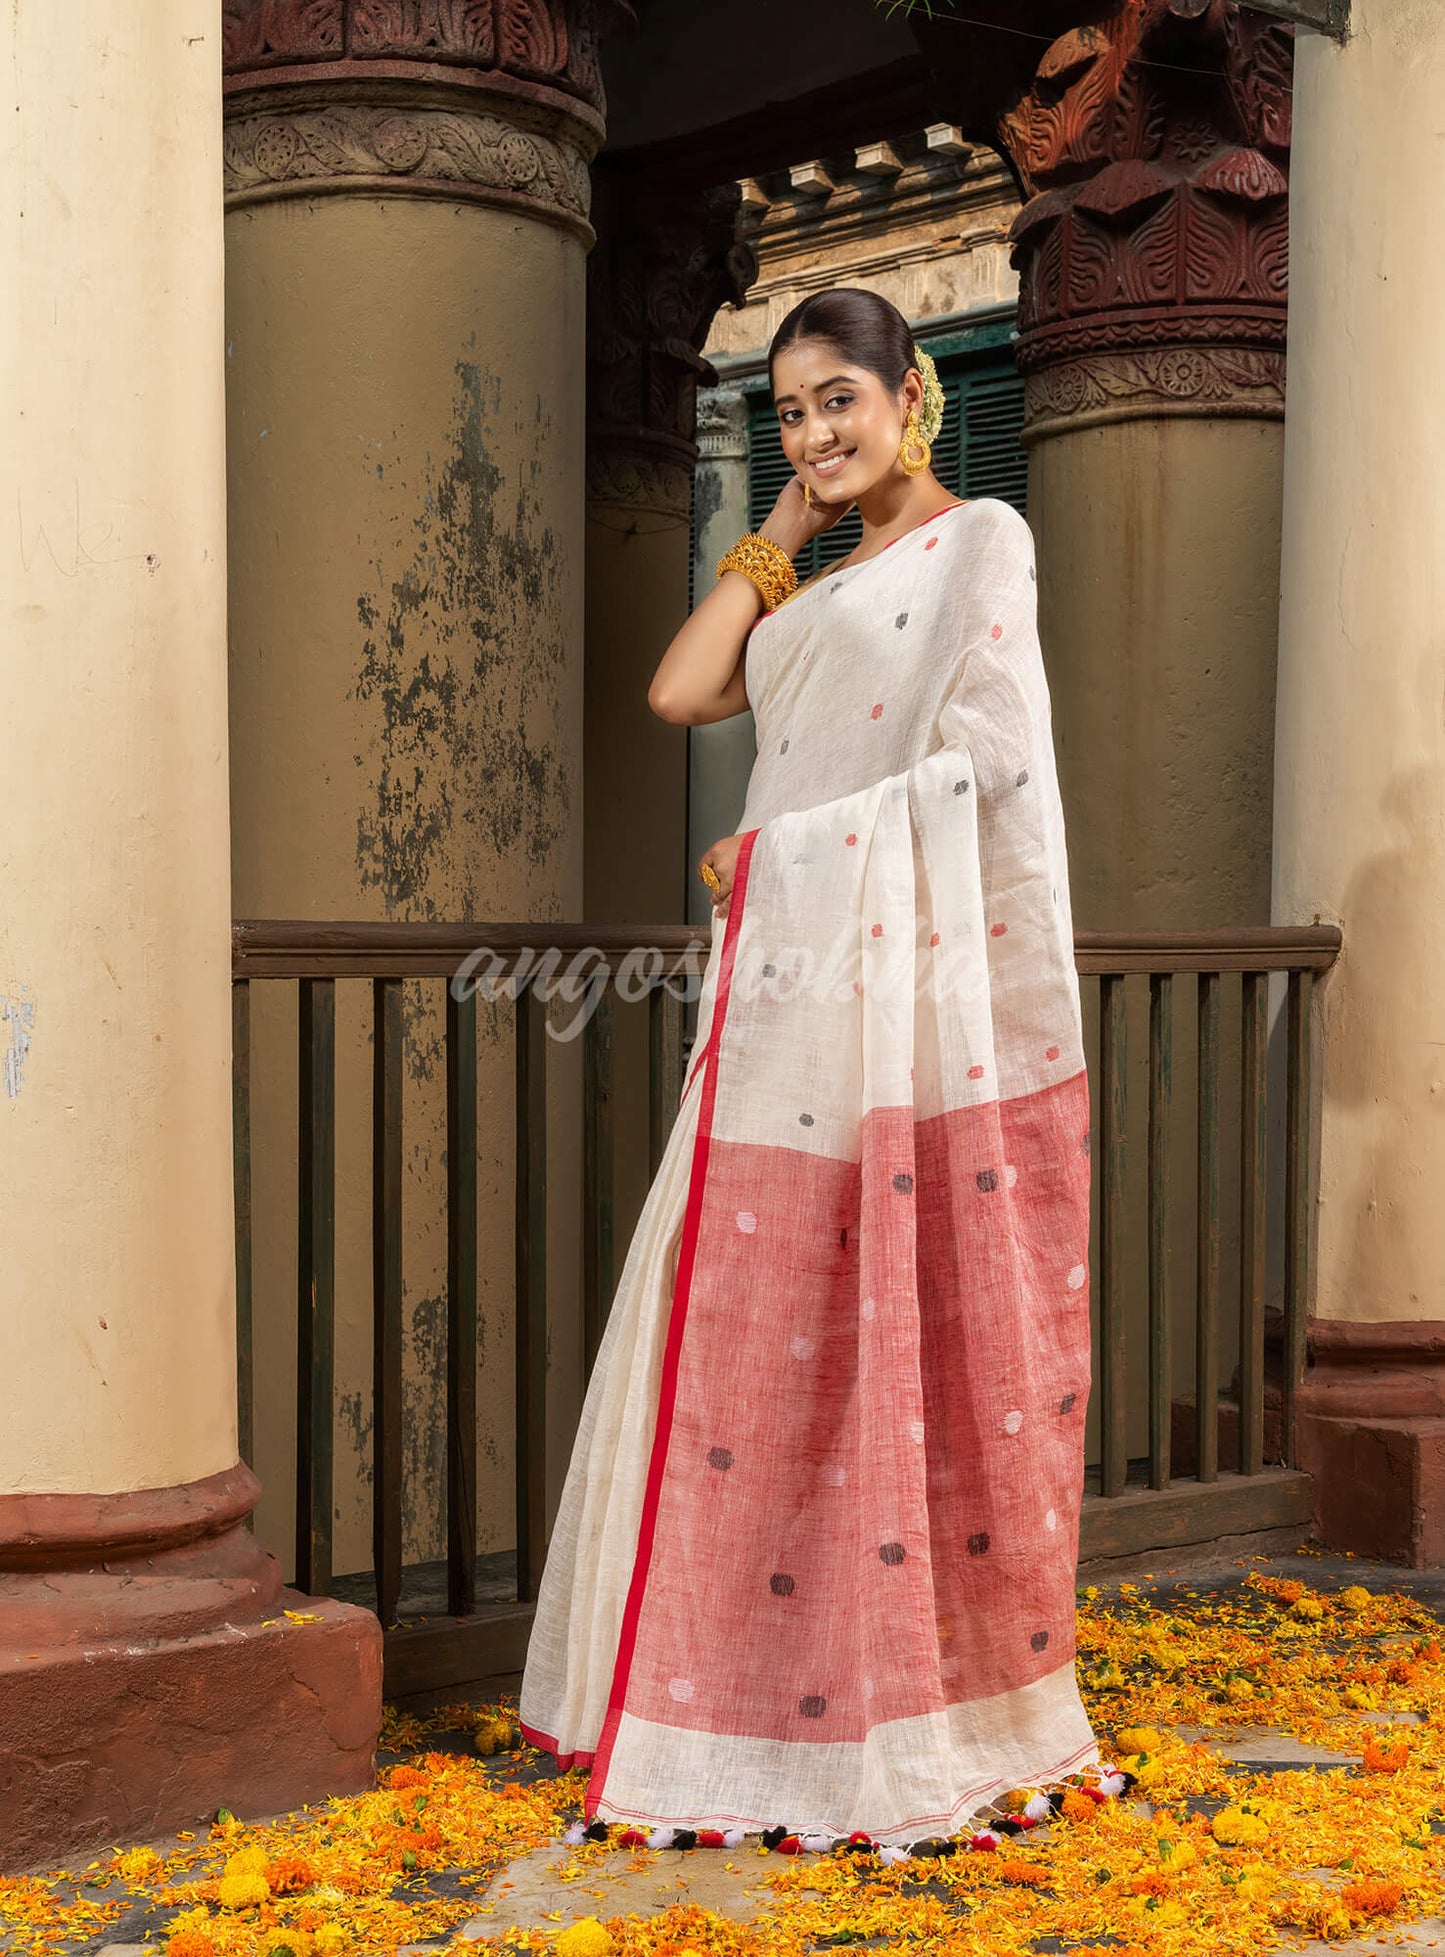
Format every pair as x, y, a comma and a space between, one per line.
1136, 1504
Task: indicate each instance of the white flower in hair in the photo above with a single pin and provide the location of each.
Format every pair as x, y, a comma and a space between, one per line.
930, 417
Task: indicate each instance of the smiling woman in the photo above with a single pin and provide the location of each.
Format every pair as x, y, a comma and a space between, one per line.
814, 1561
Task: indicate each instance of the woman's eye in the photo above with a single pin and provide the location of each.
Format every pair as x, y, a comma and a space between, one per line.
839, 401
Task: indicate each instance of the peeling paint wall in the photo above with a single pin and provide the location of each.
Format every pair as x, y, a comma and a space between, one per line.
406, 707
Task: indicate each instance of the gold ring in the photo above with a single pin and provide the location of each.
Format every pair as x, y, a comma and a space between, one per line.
710, 877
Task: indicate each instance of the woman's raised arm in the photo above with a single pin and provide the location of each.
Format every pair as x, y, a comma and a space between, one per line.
701, 676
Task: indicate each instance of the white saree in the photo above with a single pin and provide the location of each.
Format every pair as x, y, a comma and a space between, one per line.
814, 1561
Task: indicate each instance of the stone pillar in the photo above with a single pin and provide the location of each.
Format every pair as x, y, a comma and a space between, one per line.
407, 193
1360, 761
719, 757
1152, 256
146, 1669
667, 257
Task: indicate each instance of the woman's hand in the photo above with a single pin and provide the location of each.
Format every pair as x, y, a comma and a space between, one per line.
793, 525
723, 857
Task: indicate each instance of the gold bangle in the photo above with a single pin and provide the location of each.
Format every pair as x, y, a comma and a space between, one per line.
764, 564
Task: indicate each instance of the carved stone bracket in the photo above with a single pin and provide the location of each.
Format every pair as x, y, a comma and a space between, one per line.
492, 101
665, 261
1153, 249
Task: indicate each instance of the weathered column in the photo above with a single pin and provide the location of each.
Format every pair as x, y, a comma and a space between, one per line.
139, 1684
1360, 762
667, 257
720, 757
407, 226
1152, 255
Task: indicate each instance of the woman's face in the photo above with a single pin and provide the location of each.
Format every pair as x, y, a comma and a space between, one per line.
840, 425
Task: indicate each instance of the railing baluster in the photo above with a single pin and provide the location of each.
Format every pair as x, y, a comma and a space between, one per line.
315, 1279
1253, 1157
597, 1171
531, 1290
1206, 1340
461, 1304
241, 1188
664, 1068
386, 1216
1114, 1467
1297, 1201
1161, 1083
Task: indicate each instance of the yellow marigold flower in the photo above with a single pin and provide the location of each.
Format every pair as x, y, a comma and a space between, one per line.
1178, 1851
1309, 1608
243, 1882
494, 1734
1236, 1827
329, 1940
242, 1891
1138, 1739
137, 1864
585, 1938
1355, 1597
1237, 1689
1360, 1697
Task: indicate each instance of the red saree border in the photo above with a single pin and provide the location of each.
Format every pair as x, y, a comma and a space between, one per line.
677, 1321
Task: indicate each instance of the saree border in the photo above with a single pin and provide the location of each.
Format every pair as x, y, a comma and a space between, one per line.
676, 1326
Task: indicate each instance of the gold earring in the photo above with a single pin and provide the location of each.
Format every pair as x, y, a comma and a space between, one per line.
808, 495
914, 452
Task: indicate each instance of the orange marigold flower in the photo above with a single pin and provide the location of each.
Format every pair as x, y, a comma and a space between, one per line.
1373, 1895
404, 1777
1078, 1807
1153, 1882
290, 1875
1385, 1759
1017, 1870
190, 1943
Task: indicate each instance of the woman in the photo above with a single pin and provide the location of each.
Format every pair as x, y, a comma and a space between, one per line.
814, 1563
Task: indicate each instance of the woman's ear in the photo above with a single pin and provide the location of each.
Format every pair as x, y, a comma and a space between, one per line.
912, 393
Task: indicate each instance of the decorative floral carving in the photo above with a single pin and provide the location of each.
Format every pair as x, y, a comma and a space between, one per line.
636, 479
1156, 149
449, 153
549, 43
1121, 386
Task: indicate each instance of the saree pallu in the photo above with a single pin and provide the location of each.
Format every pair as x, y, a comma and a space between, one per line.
814, 1560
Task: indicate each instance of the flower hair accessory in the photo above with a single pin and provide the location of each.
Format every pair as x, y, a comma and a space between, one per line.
930, 417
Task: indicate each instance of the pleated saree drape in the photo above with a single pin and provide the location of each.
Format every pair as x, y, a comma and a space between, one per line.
814, 1562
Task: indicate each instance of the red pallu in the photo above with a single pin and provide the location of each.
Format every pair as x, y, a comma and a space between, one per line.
841, 1594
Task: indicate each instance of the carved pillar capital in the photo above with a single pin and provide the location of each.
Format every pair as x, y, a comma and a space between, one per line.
487, 101
1152, 251
665, 260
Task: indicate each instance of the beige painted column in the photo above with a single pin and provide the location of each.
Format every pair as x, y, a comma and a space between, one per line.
407, 232
131, 1596
1360, 769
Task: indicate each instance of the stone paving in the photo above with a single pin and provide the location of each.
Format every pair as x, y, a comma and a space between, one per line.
529, 1894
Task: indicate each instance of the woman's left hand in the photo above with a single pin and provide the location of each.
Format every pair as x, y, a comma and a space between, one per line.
723, 857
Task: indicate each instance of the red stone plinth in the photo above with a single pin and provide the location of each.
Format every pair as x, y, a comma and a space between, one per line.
150, 1673
1371, 1430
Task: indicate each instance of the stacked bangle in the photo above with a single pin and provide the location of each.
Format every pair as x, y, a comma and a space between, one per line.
765, 564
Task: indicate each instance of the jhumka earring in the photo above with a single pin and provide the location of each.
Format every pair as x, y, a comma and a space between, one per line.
914, 452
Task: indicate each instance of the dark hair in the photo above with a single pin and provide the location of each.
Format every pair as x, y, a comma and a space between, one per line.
863, 326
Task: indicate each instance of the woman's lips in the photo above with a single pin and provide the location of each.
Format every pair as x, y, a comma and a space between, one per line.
832, 465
